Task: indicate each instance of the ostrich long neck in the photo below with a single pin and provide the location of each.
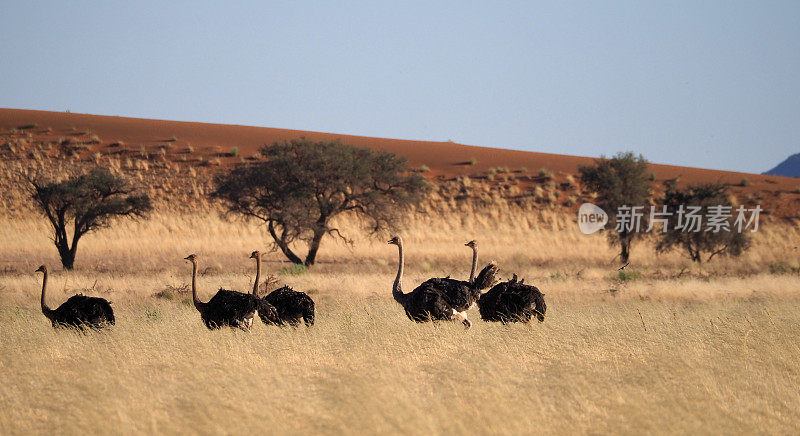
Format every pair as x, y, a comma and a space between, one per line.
45, 310
397, 288
197, 303
474, 264
258, 274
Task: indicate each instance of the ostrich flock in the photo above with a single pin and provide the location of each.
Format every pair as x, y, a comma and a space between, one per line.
436, 299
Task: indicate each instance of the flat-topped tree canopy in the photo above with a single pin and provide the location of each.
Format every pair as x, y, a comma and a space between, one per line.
303, 184
85, 202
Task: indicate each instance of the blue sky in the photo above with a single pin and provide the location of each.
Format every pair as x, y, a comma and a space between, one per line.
706, 84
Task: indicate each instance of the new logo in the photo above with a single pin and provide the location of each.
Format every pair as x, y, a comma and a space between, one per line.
591, 218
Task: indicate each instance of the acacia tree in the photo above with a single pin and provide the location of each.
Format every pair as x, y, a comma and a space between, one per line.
693, 236
619, 181
302, 185
83, 204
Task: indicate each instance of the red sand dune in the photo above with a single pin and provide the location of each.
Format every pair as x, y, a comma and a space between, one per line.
445, 159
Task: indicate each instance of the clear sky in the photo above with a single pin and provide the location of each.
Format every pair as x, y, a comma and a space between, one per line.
712, 84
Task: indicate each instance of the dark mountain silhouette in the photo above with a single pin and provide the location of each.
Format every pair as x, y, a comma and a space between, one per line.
788, 168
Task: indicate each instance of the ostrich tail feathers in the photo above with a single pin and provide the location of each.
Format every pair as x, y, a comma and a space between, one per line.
487, 277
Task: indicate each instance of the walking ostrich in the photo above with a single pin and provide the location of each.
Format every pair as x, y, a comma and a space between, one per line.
439, 298
462, 295
225, 308
78, 311
512, 301
288, 306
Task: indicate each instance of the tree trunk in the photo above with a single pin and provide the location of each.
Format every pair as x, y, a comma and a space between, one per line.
314, 247
625, 243
284, 247
67, 255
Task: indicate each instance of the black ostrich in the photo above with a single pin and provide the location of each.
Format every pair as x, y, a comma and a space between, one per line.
289, 306
462, 295
440, 298
512, 301
225, 308
79, 311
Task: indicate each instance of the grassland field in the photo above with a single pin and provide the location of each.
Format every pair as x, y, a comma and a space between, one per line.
668, 347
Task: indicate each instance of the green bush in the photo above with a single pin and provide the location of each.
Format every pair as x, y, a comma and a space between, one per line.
627, 276
295, 269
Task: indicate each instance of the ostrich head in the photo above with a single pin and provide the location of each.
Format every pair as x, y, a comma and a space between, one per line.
41, 269
395, 240
255, 255
191, 258
472, 244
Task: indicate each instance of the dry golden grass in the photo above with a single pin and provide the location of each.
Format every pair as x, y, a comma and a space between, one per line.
712, 350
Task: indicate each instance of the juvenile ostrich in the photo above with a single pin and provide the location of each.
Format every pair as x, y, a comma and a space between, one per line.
225, 308
288, 306
512, 301
439, 298
78, 311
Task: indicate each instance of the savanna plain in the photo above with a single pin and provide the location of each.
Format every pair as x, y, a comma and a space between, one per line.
662, 347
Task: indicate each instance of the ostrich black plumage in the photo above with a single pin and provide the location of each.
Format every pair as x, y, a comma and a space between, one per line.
462, 295
225, 308
439, 298
512, 301
289, 306
78, 311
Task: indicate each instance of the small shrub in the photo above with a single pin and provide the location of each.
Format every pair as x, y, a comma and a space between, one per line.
235, 151
295, 269
172, 139
652, 177
152, 314
558, 275
423, 168
783, 268
522, 170
627, 276
28, 126
190, 149
13, 131
797, 190
544, 172
473, 161
745, 182
94, 139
